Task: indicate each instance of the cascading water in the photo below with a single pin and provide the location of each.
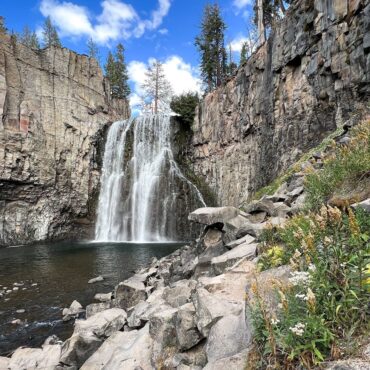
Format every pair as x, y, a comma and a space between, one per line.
143, 192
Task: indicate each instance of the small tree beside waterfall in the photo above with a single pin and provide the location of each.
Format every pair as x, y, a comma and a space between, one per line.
157, 89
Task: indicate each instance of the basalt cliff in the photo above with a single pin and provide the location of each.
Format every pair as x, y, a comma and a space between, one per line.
54, 109
310, 76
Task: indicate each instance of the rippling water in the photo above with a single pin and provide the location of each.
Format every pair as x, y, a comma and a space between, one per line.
61, 272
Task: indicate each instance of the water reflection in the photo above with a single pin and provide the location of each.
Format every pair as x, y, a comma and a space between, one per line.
61, 272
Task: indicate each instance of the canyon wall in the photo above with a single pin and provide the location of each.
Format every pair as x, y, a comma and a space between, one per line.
311, 75
55, 110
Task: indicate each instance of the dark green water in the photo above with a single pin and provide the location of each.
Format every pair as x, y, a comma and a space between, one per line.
61, 272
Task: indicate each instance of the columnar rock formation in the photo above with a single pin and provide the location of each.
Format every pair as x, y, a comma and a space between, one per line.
311, 74
55, 109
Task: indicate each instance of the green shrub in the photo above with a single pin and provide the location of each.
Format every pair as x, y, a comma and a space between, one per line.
184, 105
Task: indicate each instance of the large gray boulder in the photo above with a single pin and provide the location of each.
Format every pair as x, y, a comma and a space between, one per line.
123, 350
179, 293
102, 324
228, 259
187, 332
4, 362
89, 334
229, 336
210, 308
130, 292
163, 333
46, 358
213, 215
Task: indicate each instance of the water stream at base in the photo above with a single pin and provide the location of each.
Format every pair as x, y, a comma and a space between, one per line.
141, 183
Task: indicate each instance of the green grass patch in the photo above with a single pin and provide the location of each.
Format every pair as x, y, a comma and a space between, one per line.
348, 166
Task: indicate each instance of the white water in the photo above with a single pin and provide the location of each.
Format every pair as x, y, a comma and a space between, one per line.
139, 197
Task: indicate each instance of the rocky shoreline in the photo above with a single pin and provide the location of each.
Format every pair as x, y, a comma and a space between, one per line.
187, 310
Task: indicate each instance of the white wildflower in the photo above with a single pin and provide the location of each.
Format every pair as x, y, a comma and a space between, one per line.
312, 267
298, 329
301, 296
280, 306
275, 321
300, 278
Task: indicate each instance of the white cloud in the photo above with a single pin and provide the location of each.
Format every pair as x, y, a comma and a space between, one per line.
117, 19
242, 3
237, 43
182, 76
163, 31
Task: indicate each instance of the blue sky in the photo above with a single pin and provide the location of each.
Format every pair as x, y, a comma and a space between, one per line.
162, 29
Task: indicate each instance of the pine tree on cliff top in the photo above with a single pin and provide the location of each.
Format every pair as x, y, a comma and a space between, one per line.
2, 25
29, 38
158, 91
210, 44
50, 34
93, 50
116, 72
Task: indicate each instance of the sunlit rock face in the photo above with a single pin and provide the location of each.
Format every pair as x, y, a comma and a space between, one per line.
309, 77
55, 110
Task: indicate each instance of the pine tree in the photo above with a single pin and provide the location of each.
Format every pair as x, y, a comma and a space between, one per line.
210, 44
3, 28
50, 34
93, 50
157, 89
243, 53
123, 89
29, 38
116, 72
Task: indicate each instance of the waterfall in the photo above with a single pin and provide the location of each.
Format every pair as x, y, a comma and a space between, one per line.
144, 195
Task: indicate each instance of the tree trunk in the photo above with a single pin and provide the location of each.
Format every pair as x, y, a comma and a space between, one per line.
156, 89
261, 25
282, 7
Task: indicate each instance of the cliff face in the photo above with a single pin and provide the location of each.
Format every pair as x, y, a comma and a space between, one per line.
55, 110
305, 80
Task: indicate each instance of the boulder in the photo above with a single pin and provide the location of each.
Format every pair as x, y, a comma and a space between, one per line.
247, 239
123, 350
4, 362
89, 334
213, 215
262, 205
102, 324
77, 349
210, 308
229, 336
96, 280
103, 297
46, 357
365, 205
249, 228
179, 293
130, 292
235, 362
228, 259
94, 308
73, 311
163, 333
187, 332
